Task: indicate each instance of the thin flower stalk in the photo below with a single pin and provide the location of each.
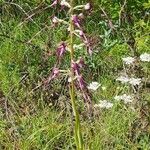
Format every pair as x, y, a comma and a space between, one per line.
78, 135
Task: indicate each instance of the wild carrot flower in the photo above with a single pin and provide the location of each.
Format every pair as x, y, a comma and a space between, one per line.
128, 60
135, 81
145, 57
104, 104
126, 98
93, 86
123, 79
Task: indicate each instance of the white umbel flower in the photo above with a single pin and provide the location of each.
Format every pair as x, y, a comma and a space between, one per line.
128, 60
65, 3
135, 81
94, 86
123, 79
126, 98
104, 104
145, 57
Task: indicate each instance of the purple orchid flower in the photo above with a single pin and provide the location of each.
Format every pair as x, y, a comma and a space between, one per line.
81, 62
54, 74
76, 21
61, 50
76, 68
81, 82
86, 42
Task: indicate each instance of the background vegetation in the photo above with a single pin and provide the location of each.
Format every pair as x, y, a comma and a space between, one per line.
35, 117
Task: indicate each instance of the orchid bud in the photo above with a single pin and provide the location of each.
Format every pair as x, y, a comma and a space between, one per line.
61, 49
87, 6
64, 3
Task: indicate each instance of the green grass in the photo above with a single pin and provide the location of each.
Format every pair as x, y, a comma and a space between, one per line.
31, 121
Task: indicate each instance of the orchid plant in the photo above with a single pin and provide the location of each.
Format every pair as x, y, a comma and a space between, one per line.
75, 77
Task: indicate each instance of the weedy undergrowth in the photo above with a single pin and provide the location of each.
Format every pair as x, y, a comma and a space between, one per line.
73, 23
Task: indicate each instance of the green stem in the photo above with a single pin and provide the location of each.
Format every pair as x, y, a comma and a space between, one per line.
78, 135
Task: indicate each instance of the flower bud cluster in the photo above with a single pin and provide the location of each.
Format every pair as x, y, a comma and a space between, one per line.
77, 21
